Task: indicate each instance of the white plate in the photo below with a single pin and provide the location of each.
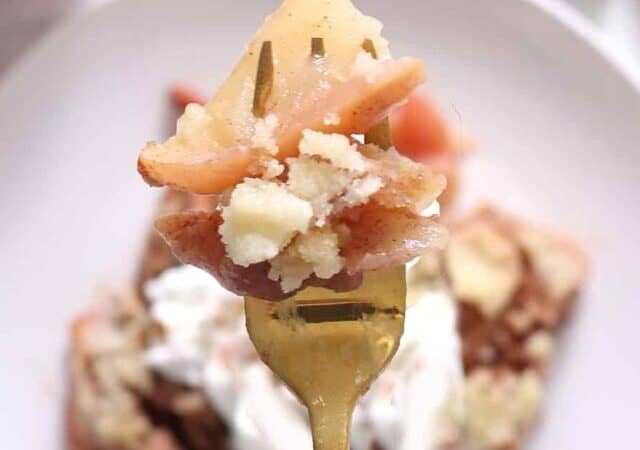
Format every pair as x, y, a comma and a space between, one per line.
557, 120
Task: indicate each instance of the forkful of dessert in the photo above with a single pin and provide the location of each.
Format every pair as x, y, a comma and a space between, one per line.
312, 226
329, 346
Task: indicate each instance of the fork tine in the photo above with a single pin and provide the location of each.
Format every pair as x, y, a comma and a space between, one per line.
380, 134
317, 47
264, 80
369, 47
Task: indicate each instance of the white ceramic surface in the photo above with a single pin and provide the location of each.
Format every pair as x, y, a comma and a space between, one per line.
557, 121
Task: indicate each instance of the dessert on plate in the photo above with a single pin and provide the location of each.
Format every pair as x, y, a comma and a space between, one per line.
172, 367
515, 284
287, 190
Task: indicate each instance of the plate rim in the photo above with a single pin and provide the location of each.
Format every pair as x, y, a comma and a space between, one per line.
558, 11
587, 31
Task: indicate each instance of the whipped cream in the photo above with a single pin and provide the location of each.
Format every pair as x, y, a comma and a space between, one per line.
206, 344
414, 405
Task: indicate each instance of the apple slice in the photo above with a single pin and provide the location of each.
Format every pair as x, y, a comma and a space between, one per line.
382, 238
194, 239
334, 89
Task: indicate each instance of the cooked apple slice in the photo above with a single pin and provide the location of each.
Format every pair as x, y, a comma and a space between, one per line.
343, 90
194, 239
378, 238
383, 238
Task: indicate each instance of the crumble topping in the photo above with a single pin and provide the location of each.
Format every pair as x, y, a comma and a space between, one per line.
508, 343
540, 346
261, 219
107, 372
194, 127
320, 249
281, 216
318, 182
484, 267
290, 269
335, 148
267, 168
315, 252
264, 134
511, 303
553, 260
500, 406
359, 191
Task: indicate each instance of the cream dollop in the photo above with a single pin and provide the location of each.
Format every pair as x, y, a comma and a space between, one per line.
416, 403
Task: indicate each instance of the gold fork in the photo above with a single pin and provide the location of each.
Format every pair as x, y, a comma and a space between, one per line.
329, 346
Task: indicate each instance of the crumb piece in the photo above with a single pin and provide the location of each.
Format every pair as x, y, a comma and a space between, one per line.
366, 65
314, 252
331, 119
107, 371
273, 168
264, 134
559, 264
318, 182
266, 168
506, 355
335, 148
519, 320
320, 249
360, 189
261, 219
309, 178
194, 127
484, 267
500, 406
290, 269
539, 346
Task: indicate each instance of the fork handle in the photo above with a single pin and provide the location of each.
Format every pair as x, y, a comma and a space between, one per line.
330, 424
